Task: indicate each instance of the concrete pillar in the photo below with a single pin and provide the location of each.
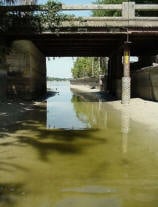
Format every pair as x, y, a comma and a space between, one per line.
3, 73
128, 10
126, 80
115, 74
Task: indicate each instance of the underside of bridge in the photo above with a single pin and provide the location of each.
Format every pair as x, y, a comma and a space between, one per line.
100, 43
114, 37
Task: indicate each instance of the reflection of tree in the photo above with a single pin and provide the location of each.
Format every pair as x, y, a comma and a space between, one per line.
33, 122
92, 112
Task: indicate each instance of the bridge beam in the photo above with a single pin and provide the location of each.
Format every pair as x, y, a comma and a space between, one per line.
126, 80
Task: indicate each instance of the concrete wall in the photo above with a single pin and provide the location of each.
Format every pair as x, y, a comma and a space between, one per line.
145, 83
26, 70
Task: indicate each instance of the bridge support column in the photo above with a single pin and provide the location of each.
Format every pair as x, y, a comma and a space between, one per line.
126, 80
115, 74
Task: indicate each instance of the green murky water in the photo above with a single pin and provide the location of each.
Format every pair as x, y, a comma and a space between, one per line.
98, 158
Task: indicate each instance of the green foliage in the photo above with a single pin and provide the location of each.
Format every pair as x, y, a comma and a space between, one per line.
87, 67
50, 18
47, 18
146, 1
107, 13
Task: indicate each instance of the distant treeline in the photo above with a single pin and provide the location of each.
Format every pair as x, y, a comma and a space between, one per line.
57, 79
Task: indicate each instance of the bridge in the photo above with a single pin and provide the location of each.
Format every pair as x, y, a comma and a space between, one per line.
113, 37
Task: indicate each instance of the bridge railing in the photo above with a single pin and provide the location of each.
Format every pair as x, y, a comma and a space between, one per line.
128, 18
127, 9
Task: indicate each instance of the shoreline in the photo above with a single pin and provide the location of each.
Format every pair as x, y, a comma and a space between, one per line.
139, 110
91, 93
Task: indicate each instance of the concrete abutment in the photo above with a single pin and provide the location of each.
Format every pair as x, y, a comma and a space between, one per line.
26, 71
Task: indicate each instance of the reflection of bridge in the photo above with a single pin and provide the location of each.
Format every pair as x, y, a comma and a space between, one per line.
96, 36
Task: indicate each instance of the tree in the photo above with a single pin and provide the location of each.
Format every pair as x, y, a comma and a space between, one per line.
107, 13
88, 67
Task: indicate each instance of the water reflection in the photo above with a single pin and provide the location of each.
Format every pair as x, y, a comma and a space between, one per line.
60, 110
68, 111
125, 127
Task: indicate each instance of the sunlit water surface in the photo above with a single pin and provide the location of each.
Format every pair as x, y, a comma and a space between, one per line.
98, 157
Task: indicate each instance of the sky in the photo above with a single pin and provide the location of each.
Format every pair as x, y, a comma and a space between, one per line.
70, 1
61, 67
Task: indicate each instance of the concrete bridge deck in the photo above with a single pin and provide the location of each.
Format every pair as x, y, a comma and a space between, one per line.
91, 36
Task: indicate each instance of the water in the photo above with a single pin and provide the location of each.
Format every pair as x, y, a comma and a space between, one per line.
60, 109
106, 160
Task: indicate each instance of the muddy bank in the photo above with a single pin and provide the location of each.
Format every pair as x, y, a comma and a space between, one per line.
13, 113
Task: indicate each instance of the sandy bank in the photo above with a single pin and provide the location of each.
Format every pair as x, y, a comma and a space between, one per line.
86, 92
84, 88
139, 110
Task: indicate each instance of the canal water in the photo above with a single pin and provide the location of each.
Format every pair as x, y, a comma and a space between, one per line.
71, 152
